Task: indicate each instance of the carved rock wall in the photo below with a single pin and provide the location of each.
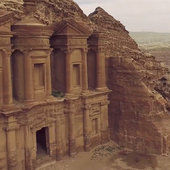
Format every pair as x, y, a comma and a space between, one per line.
132, 77
3, 151
66, 120
135, 106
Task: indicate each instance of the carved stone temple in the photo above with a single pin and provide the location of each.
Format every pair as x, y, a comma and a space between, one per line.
37, 61
69, 82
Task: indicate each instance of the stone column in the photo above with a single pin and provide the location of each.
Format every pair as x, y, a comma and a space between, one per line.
101, 77
1, 82
29, 87
86, 127
71, 115
68, 72
11, 143
85, 74
58, 138
28, 149
33, 142
52, 140
7, 78
48, 75
104, 122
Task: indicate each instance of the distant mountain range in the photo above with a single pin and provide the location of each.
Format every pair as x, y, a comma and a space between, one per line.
157, 44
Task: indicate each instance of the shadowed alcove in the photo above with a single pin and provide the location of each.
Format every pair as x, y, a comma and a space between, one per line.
91, 66
58, 72
17, 62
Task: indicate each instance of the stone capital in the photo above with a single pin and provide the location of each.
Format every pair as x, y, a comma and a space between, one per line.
87, 107
11, 124
101, 49
22, 50
7, 52
49, 51
85, 50
12, 127
67, 50
105, 102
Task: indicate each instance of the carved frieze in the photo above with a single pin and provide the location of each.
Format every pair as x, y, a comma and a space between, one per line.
95, 110
30, 43
76, 41
39, 115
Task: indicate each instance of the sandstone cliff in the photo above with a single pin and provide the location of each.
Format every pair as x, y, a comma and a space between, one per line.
48, 11
137, 111
132, 77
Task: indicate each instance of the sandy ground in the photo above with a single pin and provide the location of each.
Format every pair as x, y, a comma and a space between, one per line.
110, 157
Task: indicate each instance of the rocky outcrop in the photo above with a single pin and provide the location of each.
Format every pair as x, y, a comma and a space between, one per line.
137, 114
48, 11
136, 107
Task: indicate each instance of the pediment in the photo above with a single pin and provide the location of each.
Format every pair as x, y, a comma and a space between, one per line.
29, 20
71, 28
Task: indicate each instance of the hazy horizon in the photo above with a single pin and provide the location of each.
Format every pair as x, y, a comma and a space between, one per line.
150, 32
136, 16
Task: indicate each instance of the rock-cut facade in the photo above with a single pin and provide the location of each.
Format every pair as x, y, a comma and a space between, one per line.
62, 92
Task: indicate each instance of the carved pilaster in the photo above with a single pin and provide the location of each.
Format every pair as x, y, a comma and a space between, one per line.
86, 125
96, 43
1, 82
104, 121
29, 91
28, 149
68, 72
85, 75
7, 80
11, 128
101, 77
52, 140
58, 138
49, 88
72, 142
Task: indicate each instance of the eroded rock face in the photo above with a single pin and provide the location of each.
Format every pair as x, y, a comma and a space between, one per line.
137, 106
48, 11
132, 77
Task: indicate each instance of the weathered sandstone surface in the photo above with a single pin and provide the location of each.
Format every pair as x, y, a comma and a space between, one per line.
138, 114
136, 108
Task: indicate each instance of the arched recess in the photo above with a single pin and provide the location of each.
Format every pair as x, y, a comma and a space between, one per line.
91, 67
58, 71
17, 65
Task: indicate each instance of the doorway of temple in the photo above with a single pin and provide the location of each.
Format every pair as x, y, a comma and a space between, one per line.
42, 142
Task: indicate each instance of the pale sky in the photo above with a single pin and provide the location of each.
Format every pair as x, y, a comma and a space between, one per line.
136, 15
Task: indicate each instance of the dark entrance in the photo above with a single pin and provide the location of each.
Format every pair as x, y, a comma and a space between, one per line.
42, 142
